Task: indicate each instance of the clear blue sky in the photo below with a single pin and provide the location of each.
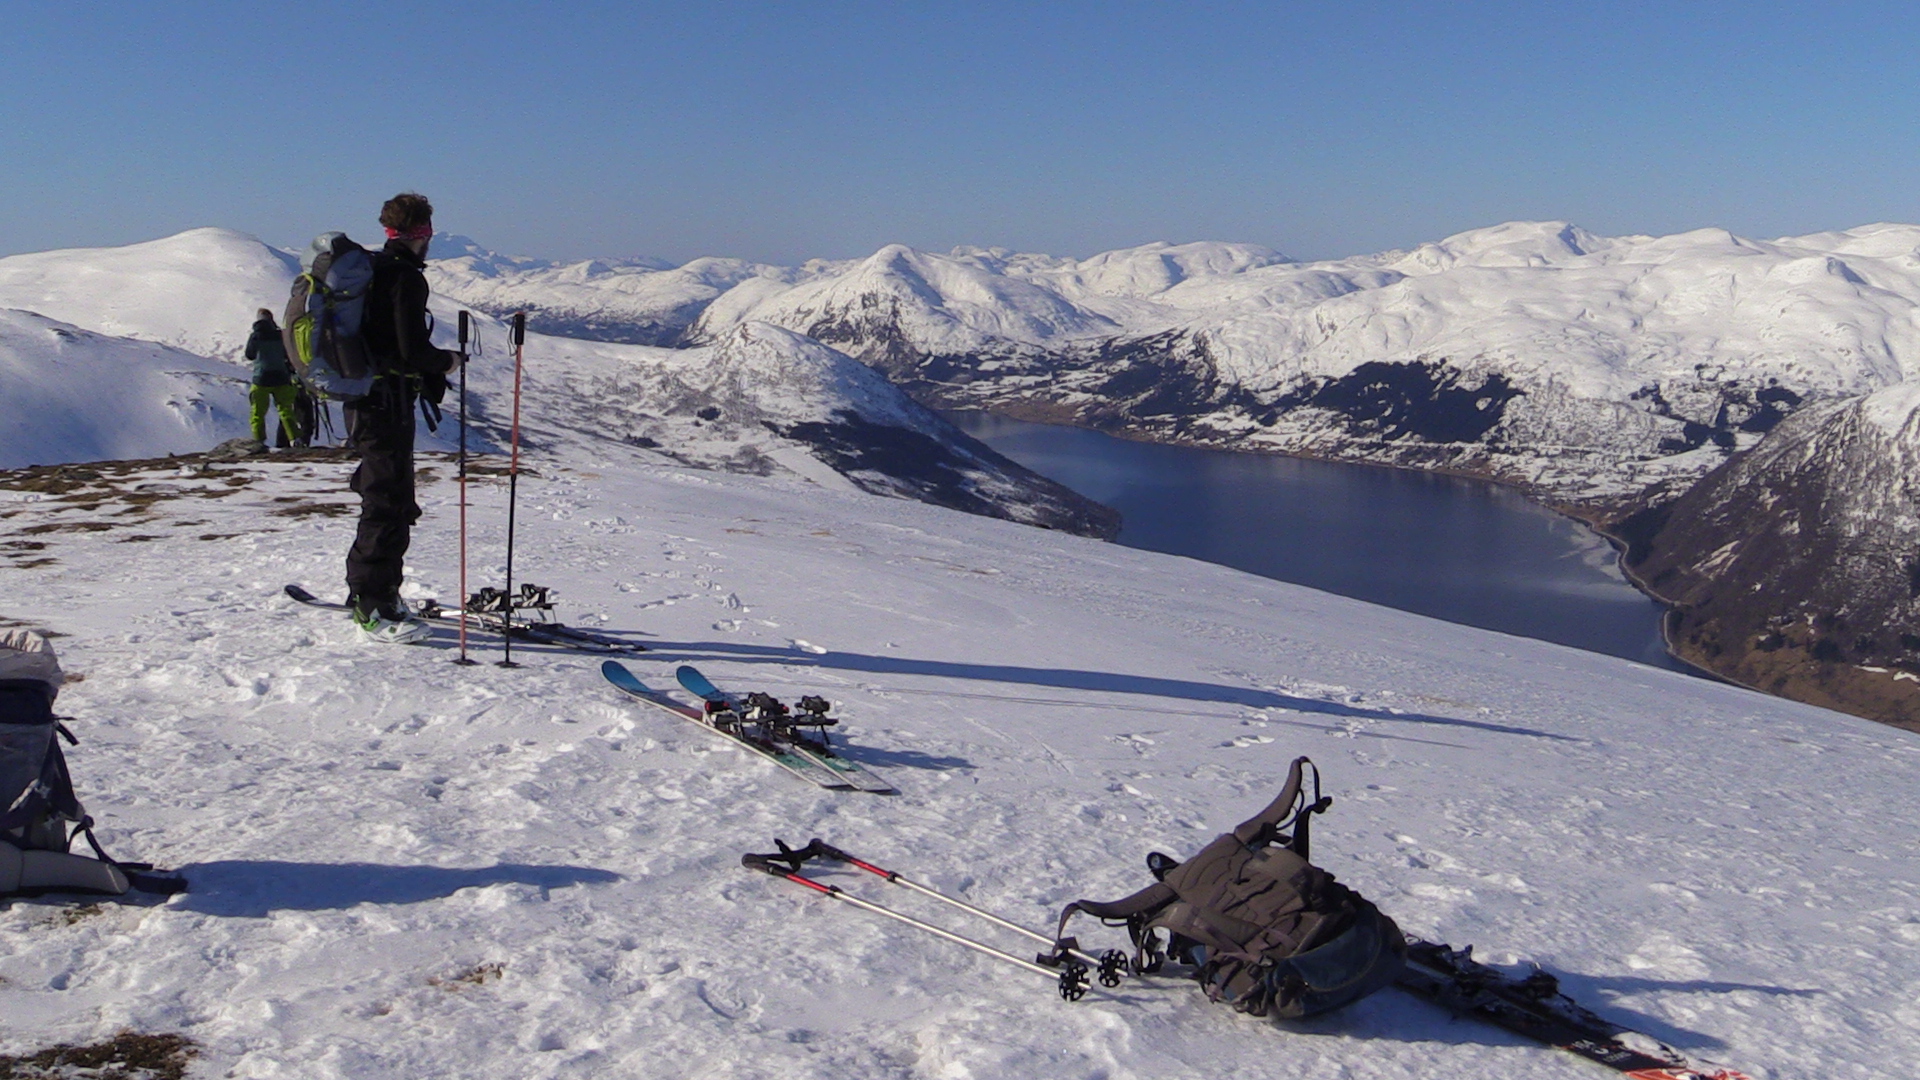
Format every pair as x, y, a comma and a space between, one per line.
782, 131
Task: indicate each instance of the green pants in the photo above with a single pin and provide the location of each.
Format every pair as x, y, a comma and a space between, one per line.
281, 396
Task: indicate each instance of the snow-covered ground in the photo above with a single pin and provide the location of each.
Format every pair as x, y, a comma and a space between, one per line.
405, 868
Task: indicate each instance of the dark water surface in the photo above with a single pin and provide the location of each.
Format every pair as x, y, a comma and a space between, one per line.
1461, 550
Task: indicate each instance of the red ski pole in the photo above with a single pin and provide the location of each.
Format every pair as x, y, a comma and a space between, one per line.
1109, 965
1071, 981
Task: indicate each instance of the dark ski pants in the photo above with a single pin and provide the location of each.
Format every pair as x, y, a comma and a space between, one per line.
381, 429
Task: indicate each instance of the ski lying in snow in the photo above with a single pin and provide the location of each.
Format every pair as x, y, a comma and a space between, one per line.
495, 607
728, 727
542, 633
1533, 1006
777, 718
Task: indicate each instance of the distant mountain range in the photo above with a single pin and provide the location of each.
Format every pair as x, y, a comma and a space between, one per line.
1588, 369
1740, 413
1606, 375
135, 351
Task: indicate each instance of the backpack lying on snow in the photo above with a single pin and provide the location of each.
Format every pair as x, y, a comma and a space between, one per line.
1263, 929
39, 813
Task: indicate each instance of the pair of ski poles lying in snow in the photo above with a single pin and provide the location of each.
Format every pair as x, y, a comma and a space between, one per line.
1064, 964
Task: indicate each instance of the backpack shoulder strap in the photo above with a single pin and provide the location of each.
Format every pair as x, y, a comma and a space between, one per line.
1145, 902
1290, 811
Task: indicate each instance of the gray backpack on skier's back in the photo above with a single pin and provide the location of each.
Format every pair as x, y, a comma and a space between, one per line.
325, 313
1262, 927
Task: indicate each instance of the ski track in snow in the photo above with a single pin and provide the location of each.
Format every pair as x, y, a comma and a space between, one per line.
404, 868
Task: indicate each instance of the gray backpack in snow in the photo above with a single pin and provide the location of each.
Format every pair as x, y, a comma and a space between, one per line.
1263, 929
324, 316
40, 816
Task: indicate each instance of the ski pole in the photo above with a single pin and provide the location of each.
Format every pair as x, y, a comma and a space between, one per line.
1109, 965
513, 487
465, 318
1071, 980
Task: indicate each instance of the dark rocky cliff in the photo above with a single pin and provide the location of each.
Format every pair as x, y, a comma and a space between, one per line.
1795, 567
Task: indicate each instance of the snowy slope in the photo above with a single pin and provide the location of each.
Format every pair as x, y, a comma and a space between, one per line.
73, 395
196, 291
1588, 367
410, 869
760, 400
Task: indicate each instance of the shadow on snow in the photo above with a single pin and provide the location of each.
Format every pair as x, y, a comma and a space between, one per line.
1070, 679
258, 887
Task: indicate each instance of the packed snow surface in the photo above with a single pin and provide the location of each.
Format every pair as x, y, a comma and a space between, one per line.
405, 868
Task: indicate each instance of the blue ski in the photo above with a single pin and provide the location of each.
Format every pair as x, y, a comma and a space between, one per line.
755, 709
801, 765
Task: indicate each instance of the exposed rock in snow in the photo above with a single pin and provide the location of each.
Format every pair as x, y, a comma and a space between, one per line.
1795, 567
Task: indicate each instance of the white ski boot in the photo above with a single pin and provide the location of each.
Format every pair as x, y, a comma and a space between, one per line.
390, 623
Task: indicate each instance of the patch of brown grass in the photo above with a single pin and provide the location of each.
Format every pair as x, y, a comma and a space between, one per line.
130, 1055
80, 914
303, 508
66, 526
477, 975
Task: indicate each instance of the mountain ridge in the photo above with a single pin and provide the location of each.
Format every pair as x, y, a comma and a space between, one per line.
1607, 362
759, 399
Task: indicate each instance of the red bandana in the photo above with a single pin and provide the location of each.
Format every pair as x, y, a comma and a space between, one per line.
418, 232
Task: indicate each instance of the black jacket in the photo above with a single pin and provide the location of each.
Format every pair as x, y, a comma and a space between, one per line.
396, 330
269, 355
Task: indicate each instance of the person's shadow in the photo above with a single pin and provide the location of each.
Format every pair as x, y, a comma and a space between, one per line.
253, 888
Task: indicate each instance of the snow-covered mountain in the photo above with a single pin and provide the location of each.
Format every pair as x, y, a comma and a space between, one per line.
759, 398
1795, 567
1589, 368
74, 395
638, 301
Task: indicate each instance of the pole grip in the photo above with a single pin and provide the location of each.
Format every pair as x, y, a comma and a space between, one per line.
465, 318
519, 328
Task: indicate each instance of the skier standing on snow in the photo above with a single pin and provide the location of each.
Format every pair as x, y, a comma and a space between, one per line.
272, 383
398, 338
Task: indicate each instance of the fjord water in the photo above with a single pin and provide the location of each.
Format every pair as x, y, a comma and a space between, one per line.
1456, 549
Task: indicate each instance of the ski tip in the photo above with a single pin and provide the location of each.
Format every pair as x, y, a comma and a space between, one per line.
615, 671
298, 593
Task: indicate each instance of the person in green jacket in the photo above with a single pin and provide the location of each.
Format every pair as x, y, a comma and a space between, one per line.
272, 382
